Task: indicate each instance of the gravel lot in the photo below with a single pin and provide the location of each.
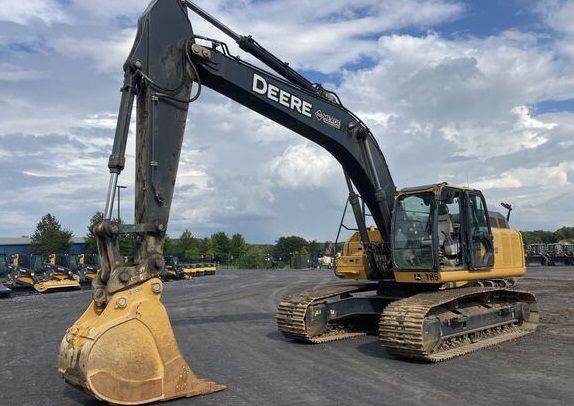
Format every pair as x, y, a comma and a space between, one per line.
226, 330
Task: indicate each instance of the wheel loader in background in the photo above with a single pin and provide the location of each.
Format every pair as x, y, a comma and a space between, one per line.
433, 275
557, 254
537, 254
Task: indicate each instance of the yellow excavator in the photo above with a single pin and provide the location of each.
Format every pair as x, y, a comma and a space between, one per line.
434, 276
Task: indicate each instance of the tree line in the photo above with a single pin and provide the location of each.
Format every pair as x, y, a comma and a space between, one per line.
51, 237
548, 237
292, 251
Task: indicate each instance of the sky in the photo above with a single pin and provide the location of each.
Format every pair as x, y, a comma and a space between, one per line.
479, 93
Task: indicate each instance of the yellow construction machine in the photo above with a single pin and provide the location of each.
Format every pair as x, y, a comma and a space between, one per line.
198, 269
88, 265
64, 267
37, 272
434, 277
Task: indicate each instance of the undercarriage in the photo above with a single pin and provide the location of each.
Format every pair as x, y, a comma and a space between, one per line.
430, 326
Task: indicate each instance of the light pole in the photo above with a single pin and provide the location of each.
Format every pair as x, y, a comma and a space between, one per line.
119, 187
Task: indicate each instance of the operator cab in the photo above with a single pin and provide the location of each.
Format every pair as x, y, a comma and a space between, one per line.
441, 227
66, 261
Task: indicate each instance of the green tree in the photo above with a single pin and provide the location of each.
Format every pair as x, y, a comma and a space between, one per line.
538, 236
91, 243
300, 259
50, 237
237, 246
285, 247
192, 254
187, 247
564, 234
314, 247
218, 246
254, 257
168, 245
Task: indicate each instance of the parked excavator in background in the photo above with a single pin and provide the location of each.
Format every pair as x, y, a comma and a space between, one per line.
536, 254
434, 276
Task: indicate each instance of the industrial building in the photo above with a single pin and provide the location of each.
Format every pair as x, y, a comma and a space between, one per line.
21, 245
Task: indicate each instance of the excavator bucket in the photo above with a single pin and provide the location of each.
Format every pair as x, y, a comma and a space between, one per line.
126, 352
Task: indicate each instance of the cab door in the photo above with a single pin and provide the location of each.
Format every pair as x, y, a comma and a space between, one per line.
480, 240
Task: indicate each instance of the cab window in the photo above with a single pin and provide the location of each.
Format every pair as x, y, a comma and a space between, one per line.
482, 248
449, 229
413, 232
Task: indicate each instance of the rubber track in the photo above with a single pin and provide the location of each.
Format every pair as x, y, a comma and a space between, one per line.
401, 324
292, 309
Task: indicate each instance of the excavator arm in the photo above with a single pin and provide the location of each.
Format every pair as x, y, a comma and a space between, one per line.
122, 349
159, 72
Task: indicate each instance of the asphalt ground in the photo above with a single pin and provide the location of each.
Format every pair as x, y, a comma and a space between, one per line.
226, 330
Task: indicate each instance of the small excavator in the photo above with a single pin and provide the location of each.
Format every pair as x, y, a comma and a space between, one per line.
435, 274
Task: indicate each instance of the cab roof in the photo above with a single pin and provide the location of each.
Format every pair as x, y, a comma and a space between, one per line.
436, 187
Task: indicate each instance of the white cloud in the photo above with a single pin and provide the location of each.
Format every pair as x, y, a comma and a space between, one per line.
475, 140
546, 177
326, 35
26, 12
109, 52
14, 73
558, 14
472, 92
304, 166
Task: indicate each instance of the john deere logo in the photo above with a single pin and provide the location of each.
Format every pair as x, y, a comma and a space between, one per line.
327, 119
